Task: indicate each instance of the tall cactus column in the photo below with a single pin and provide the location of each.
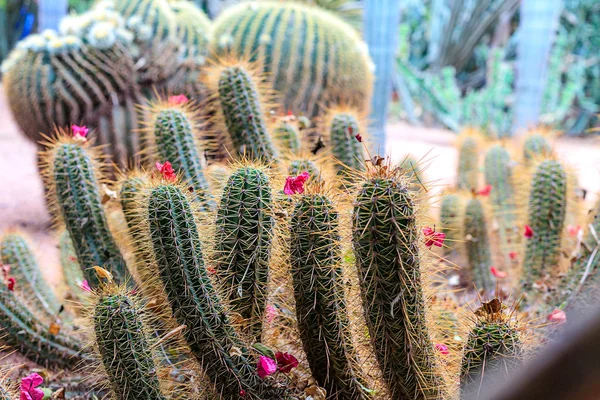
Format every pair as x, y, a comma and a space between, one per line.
386, 245
321, 307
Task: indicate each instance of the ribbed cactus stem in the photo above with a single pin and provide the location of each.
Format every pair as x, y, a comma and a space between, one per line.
71, 269
244, 229
477, 245
287, 137
493, 350
386, 246
451, 218
176, 141
546, 215
344, 146
468, 164
23, 331
122, 340
321, 307
73, 182
536, 145
31, 285
244, 114
194, 300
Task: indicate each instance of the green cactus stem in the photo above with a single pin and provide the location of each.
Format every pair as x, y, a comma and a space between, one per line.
451, 214
343, 129
31, 285
468, 164
536, 145
244, 114
73, 175
298, 166
288, 137
195, 302
386, 246
71, 269
546, 215
124, 346
477, 245
321, 307
244, 228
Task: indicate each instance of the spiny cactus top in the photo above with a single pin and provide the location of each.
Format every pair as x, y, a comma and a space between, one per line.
287, 136
475, 234
72, 173
344, 128
451, 213
321, 307
536, 145
546, 215
386, 246
122, 340
311, 56
493, 349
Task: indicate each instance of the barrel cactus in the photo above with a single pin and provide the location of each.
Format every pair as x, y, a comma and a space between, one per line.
386, 240
311, 56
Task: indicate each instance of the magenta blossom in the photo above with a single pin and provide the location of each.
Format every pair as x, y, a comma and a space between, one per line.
295, 185
266, 366
29, 386
85, 285
179, 99
286, 361
79, 132
433, 238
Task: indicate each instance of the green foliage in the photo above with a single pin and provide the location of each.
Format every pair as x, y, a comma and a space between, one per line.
451, 219
30, 283
72, 178
546, 215
493, 350
468, 164
386, 246
175, 142
244, 115
22, 330
194, 300
321, 307
244, 228
343, 128
312, 57
477, 245
122, 340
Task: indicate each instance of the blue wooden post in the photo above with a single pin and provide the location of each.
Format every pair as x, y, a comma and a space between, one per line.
50, 12
539, 22
381, 20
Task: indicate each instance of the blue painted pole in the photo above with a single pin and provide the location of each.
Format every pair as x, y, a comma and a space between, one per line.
50, 12
381, 21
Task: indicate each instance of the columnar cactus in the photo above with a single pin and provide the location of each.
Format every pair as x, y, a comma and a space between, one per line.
23, 331
451, 217
311, 56
536, 145
477, 245
386, 246
72, 176
287, 137
70, 267
31, 287
174, 138
244, 229
194, 301
546, 215
243, 110
321, 307
493, 349
123, 343
345, 147
468, 163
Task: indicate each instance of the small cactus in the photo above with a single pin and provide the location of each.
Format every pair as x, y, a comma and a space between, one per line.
70, 267
72, 177
244, 229
546, 215
386, 246
123, 343
468, 162
536, 145
493, 349
451, 217
298, 165
477, 245
345, 147
287, 137
321, 307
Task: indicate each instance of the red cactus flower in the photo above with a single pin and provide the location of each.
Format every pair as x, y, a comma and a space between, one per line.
485, 191
177, 100
558, 316
513, 255
497, 273
286, 361
433, 238
266, 366
295, 185
573, 230
80, 132
29, 386
528, 232
166, 170
11, 283
442, 348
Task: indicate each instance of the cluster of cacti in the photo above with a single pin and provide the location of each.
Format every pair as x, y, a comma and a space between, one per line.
477, 245
321, 306
310, 55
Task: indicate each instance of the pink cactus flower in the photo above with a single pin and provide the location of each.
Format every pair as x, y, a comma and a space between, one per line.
166, 170
85, 286
485, 191
177, 100
433, 238
442, 348
497, 273
80, 132
266, 366
286, 361
558, 316
295, 185
528, 232
29, 386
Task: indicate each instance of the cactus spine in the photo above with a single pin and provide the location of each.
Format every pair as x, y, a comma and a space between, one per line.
175, 141
311, 56
546, 215
244, 227
386, 246
493, 349
451, 218
31, 285
344, 146
123, 344
195, 302
468, 163
72, 175
477, 245
244, 114
321, 308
